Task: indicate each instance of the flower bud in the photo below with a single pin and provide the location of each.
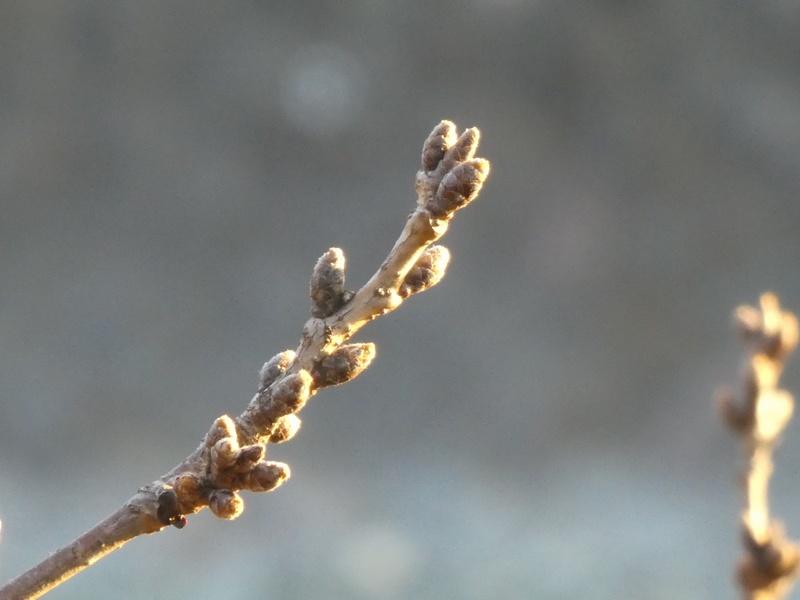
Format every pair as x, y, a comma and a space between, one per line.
327, 284
464, 147
225, 504
291, 394
285, 429
249, 457
343, 364
223, 427
266, 476
224, 453
439, 141
274, 368
187, 487
459, 187
427, 272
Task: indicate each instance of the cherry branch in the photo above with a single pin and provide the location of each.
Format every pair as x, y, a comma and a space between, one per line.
758, 414
231, 457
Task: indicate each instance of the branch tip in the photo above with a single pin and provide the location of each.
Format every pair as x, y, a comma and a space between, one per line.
440, 140
231, 455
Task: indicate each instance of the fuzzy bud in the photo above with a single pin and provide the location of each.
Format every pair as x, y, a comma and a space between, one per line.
274, 368
249, 457
327, 284
459, 187
187, 487
225, 452
343, 364
439, 141
427, 272
223, 427
291, 394
225, 504
465, 146
285, 429
266, 476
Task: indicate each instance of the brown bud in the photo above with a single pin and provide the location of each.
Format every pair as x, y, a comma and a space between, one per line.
249, 457
291, 394
343, 364
459, 187
274, 368
327, 284
266, 476
225, 504
223, 427
427, 272
465, 147
224, 453
187, 487
285, 429
439, 141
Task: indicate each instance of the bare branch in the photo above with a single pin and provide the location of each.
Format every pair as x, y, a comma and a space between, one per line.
758, 414
232, 455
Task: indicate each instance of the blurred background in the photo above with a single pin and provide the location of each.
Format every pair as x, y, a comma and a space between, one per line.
539, 425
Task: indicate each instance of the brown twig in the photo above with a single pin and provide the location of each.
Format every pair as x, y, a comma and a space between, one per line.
758, 414
231, 457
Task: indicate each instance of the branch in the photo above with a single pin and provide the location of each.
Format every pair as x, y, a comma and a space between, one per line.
232, 455
758, 414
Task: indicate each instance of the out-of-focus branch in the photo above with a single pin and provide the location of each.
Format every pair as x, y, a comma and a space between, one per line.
758, 413
231, 457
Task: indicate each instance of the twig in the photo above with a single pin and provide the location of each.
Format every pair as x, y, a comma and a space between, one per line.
758, 414
231, 457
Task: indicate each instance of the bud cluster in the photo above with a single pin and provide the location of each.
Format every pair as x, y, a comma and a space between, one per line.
450, 177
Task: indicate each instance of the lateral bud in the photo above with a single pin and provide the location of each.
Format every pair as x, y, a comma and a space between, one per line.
274, 368
225, 504
327, 284
343, 364
248, 457
187, 486
223, 427
285, 429
291, 394
427, 272
459, 187
266, 476
224, 453
438, 142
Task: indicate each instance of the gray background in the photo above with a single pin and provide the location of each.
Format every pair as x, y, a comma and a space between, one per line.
540, 425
